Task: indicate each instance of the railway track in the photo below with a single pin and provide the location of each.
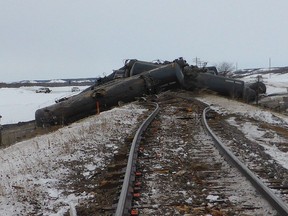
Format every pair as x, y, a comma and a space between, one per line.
174, 168
261, 187
252, 154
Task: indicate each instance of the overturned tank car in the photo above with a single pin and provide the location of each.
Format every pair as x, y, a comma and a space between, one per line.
135, 79
106, 95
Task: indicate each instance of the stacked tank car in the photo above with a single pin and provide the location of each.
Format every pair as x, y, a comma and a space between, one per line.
135, 79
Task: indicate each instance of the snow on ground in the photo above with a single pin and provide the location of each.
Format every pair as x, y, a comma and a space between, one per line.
32, 171
20, 104
226, 105
275, 83
253, 133
251, 130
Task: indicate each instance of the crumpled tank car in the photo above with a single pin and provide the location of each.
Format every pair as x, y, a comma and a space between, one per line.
133, 80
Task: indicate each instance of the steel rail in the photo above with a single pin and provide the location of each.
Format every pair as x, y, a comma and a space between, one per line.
125, 199
274, 201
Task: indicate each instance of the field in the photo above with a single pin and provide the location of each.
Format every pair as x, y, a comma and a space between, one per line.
20, 104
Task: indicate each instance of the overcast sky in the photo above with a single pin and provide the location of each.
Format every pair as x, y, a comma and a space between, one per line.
53, 39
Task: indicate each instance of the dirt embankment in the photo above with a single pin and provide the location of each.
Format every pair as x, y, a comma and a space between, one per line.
12, 133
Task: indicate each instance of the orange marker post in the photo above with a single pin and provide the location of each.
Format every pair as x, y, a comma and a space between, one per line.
97, 107
134, 212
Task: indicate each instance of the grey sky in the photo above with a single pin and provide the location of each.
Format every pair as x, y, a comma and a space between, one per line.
51, 39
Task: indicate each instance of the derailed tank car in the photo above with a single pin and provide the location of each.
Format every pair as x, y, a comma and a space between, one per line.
222, 85
134, 80
107, 95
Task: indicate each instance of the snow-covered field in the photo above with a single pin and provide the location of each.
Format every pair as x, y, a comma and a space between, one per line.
275, 83
31, 171
20, 104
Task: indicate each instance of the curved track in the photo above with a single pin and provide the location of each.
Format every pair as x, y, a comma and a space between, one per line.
124, 203
277, 203
199, 174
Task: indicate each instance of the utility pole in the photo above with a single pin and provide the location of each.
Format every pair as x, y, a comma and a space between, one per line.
196, 60
269, 63
199, 63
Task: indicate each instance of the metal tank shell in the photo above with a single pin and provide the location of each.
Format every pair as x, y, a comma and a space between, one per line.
222, 85
140, 78
106, 96
141, 66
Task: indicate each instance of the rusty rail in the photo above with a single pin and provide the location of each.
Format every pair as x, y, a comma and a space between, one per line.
274, 201
125, 199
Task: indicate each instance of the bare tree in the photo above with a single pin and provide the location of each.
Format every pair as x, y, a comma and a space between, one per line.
225, 69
